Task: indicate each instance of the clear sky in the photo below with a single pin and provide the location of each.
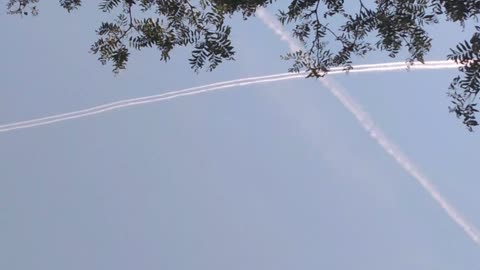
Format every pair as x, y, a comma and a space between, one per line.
272, 176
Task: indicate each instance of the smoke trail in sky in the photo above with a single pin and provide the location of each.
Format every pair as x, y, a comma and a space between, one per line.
134, 102
104, 106
202, 89
277, 28
376, 133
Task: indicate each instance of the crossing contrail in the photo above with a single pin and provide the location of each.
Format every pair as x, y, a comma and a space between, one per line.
391, 66
383, 67
376, 133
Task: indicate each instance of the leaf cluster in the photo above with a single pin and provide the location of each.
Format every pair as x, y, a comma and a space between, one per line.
22, 7
394, 24
389, 26
176, 23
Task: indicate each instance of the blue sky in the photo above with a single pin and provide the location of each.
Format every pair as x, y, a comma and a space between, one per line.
271, 176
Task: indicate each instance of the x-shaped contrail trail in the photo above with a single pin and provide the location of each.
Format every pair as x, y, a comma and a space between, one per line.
376, 133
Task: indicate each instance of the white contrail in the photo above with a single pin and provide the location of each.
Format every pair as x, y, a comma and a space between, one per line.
376, 133
131, 102
294, 46
100, 107
277, 28
391, 66
202, 89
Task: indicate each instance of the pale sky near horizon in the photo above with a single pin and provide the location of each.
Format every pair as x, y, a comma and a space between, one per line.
272, 176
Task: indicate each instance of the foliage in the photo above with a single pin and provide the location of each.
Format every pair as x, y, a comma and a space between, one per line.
332, 36
176, 23
22, 7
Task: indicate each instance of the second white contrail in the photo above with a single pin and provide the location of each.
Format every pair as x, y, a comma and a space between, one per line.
207, 88
376, 133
